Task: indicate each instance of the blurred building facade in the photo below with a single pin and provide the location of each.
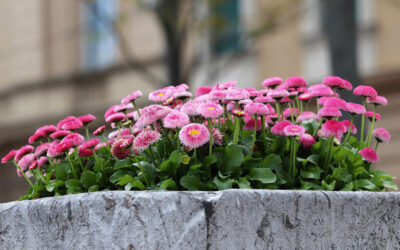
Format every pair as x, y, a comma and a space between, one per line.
68, 57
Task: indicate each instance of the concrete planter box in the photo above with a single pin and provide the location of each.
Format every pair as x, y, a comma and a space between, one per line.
232, 219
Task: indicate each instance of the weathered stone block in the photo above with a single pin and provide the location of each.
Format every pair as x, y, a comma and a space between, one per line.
231, 219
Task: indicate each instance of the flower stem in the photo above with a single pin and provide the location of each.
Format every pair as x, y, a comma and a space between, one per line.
72, 166
254, 135
278, 110
376, 146
136, 108
236, 132
211, 136
349, 131
87, 132
263, 126
22, 172
369, 135
362, 124
291, 112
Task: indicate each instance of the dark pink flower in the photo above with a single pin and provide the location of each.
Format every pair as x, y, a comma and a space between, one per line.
25, 161
84, 152
347, 85
109, 111
42, 160
329, 112
203, 90
75, 138
131, 97
347, 125
272, 82
89, 144
295, 82
144, 139
194, 135
251, 123
100, 130
333, 81
321, 91
286, 100
120, 148
100, 145
306, 140
306, 96
47, 129
333, 128
9, 156
354, 108
72, 124
85, 119
36, 136
116, 117
63, 146
381, 135
377, 100
264, 99
59, 134
33, 165
335, 102
293, 130
52, 151
370, 116
42, 149
218, 136
278, 128
23, 151
290, 111
369, 155
237, 112
366, 91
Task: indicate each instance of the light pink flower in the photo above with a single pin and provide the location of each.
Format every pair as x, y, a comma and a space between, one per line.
321, 91
306, 116
100, 130
381, 135
160, 95
289, 111
278, 128
272, 82
182, 95
377, 100
333, 128
264, 99
293, 130
113, 134
176, 119
226, 85
278, 93
190, 107
366, 91
59, 134
122, 107
218, 136
85, 119
236, 94
52, 151
295, 82
218, 94
25, 161
100, 145
329, 112
116, 117
210, 110
203, 90
151, 114
307, 140
42, 149
23, 151
109, 111
9, 156
354, 108
75, 138
286, 100
194, 135
42, 160
245, 102
257, 109
369, 155
120, 148
144, 139
131, 97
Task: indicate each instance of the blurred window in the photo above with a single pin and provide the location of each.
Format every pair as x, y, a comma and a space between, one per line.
225, 34
99, 40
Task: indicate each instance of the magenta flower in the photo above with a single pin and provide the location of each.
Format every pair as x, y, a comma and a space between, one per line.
329, 112
278, 93
335, 102
53, 151
100, 130
321, 91
347, 123
381, 135
354, 108
305, 96
144, 139
218, 94
278, 128
120, 148
257, 109
203, 90
41, 161
190, 107
83, 152
237, 112
264, 99
288, 111
42, 149
307, 140
36, 136
272, 82
85, 119
100, 145
226, 85
366, 91
286, 100
68, 119
59, 134
245, 102
75, 139
333, 81
131, 97
23, 151
33, 165
151, 114
176, 119
9, 156
25, 161
333, 128
47, 129
116, 117
306, 116
293, 130
109, 111
89, 144
122, 107
370, 116
250, 124
210, 110
369, 155
295, 82
71, 124
377, 100
194, 135
346, 85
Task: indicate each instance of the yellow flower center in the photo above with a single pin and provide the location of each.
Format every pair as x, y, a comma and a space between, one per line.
194, 132
160, 94
212, 108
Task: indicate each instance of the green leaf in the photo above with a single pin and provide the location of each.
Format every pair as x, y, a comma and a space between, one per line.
366, 184
196, 166
347, 187
61, 171
97, 163
389, 184
329, 187
136, 184
210, 159
272, 161
176, 157
115, 176
232, 158
149, 172
120, 164
263, 175
88, 178
311, 126
191, 183
122, 181
54, 184
223, 184
314, 159
305, 185
73, 186
168, 184
93, 188
311, 173
244, 183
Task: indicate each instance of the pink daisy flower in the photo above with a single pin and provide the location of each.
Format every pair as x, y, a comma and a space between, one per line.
89, 143
190, 107
293, 130
278, 93
72, 124
306, 140
203, 90
116, 117
250, 124
100, 130
381, 135
59, 134
9, 156
286, 100
236, 94
160, 95
46, 130
63, 146
305, 96
366, 91
272, 82
306, 116
100, 145
25, 161
321, 91
347, 125
113, 134
83, 152
42, 160
335, 102
42, 149
346, 85
264, 99
228, 84
36, 136
33, 165
169, 101
218, 94
85, 119
72, 120
182, 95
218, 136
333, 128
23, 151
333, 81
122, 107
131, 97
120, 148
288, 111
369, 155
52, 151
176, 119
354, 108
75, 139
194, 135
295, 82
210, 110
237, 112
329, 112
257, 109
109, 111
278, 128
377, 100
370, 116
245, 102
144, 139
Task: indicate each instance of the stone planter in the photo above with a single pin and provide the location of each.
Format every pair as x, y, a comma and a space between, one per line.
232, 219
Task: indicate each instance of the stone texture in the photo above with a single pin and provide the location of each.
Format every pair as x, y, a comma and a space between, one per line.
231, 219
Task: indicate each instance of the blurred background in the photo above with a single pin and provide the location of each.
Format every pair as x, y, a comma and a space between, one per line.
73, 57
